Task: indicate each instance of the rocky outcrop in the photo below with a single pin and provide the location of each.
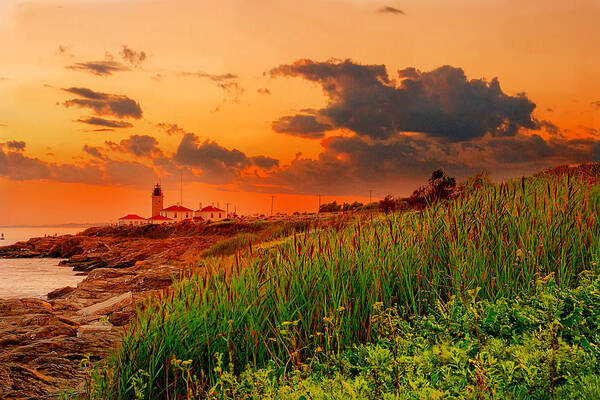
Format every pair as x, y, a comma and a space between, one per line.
123, 247
42, 343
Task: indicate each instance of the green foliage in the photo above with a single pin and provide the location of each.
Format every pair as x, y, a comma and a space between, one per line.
312, 298
544, 346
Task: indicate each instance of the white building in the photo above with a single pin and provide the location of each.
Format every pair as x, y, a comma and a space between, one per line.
211, 213
132, 219
177, 213
158, 219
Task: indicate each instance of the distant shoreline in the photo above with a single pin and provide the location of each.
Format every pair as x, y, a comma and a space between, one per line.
56, 225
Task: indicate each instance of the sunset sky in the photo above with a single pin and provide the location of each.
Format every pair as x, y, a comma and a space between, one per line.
99, 99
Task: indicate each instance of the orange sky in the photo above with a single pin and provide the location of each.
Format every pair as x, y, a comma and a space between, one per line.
548, 51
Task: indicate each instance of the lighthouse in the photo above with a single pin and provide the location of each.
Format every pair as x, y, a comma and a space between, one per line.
157, 200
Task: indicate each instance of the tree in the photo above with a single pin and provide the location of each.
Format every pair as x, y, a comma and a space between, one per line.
440, 187
388, 204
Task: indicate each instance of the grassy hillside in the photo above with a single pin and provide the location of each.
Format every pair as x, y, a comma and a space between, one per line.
272, 312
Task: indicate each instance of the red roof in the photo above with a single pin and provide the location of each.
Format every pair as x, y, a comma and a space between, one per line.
132, 216
211, 209
159, 218
176, 208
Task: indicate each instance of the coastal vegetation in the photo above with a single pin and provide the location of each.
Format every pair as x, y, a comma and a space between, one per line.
485, 291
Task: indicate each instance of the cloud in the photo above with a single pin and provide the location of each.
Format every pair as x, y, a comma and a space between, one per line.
100, 68
548, 126
141, 146
105, 122
264, 91
171, 129
64, 51
104, 104
19, 167
228, 82
596, 104
102, 171
391, 10
133, 57
93, 151
213, 77
264, 162
128, 173
217, 164
348, 165
15, 145
302, 125
441, 103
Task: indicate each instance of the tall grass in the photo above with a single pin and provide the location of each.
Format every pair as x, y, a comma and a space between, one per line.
275, 307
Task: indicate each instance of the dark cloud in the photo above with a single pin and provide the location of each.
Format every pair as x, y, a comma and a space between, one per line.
103, 130
264, 91
93, 151
217, 163
348, 165
15, 145
141, 146
101, 68
391, 10
548, 126
105, 122
19, 167
596, 104
104, 103
133, 57
441, 103
264, 162
171, 129
302, 125
102, 171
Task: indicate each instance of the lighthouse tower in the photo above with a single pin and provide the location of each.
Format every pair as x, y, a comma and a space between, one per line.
157, 200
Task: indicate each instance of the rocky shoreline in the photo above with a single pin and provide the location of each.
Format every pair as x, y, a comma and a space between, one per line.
42, 342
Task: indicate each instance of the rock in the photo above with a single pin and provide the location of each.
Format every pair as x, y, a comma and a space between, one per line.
55, 294
106, 307
93, 329
38, 305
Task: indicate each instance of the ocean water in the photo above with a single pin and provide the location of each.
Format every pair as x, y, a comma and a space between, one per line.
18, 234
34, 277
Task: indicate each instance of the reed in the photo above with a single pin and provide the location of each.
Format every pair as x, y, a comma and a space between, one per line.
318, 289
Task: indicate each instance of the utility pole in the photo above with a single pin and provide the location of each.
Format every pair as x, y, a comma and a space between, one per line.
272, 197
227, 214
181, 189
370, 204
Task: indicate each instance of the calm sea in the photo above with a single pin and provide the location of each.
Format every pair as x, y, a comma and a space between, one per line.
34, 277
18, 234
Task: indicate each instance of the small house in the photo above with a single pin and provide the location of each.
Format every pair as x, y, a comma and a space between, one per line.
177, 213
132, 219
211, 213
158, 220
